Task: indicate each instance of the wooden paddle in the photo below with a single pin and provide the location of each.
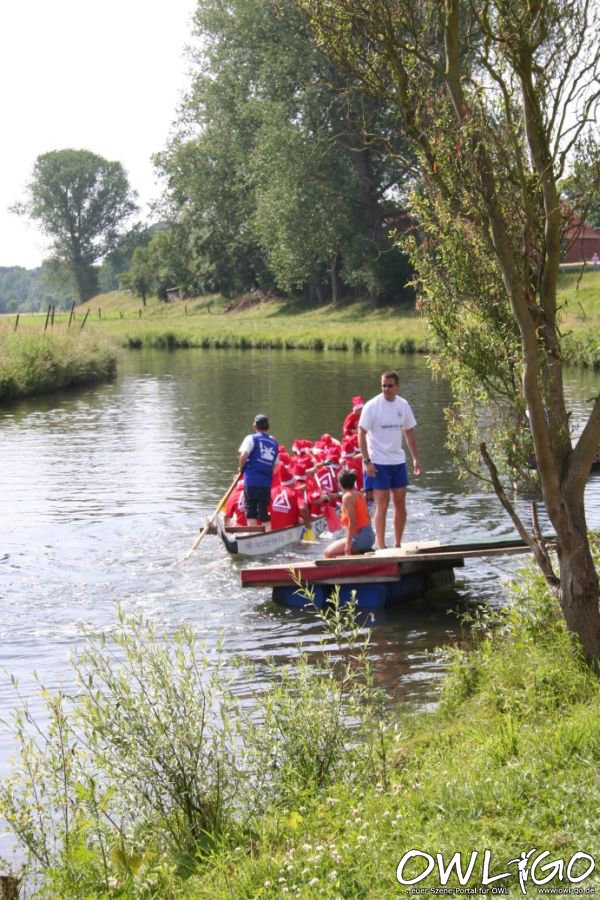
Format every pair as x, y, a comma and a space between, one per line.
211, 521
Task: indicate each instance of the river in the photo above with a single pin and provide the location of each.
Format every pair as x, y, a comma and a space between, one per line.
103, 489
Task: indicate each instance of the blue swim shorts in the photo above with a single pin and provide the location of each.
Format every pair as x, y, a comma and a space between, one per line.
364, 539
390, 477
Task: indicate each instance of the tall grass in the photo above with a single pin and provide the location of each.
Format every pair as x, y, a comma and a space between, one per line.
154, 779
36, 362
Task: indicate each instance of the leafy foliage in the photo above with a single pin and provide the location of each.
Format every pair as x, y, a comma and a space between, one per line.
154, 763
273, 176
32, 290
497, 100
81, 202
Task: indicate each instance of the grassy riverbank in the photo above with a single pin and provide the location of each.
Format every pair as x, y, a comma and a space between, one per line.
155, 800
34, 362
252, 321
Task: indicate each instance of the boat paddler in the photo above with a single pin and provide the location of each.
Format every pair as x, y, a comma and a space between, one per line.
258, 460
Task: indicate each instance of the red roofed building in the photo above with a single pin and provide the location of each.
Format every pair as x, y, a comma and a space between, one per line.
580, 241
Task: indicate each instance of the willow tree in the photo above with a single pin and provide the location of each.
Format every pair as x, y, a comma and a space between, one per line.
495, 97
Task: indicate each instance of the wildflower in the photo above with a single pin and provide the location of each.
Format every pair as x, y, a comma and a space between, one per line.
313, 881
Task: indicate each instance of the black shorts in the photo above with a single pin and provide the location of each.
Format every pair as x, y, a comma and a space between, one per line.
256, 501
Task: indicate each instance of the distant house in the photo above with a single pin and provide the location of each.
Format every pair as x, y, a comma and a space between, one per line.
173, 293
580, 241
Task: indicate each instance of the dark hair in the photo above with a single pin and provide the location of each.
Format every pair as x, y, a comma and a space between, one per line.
391, 374
261, 421
347, 479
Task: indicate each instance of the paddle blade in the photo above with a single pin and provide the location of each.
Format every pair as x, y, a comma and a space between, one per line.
308, 535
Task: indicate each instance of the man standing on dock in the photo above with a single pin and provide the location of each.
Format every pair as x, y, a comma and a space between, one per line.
384, 421
258, 459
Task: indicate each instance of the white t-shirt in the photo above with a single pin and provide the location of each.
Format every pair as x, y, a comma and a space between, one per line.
385, 421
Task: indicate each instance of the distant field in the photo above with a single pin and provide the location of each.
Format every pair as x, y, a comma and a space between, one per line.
251, 322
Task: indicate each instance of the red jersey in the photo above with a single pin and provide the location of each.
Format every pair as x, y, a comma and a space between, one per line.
284, 507
350, 425
235, 508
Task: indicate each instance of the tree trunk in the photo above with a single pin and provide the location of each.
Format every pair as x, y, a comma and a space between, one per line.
335, 280
85, 279
579, 587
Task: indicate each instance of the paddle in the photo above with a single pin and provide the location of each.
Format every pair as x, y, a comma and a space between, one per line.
205, 530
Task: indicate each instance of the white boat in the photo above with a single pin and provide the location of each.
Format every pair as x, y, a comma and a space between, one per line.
249, 540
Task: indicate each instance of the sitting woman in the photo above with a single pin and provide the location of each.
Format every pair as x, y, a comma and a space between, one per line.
355, 519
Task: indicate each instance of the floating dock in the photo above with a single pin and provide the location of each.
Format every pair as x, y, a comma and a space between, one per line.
382, 578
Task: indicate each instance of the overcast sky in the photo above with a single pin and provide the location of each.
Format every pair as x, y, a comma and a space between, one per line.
105, 77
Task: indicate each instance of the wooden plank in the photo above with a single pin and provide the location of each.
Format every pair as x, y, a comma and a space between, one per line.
449, 552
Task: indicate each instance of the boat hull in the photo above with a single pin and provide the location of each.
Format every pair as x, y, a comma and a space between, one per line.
265, 543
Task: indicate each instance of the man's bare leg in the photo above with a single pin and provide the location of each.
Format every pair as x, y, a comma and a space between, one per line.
382, 501
399, 499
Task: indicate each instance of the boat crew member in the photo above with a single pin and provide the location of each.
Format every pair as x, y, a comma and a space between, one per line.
350, 423
288, 506
235, 510
384, 421
258, 459
355, 519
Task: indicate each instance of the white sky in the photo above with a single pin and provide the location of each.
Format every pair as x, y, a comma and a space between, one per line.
105, 77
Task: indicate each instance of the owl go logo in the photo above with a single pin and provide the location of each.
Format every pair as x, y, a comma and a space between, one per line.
531, 867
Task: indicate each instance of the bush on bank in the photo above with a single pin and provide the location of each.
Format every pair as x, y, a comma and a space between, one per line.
153, 779
37, 363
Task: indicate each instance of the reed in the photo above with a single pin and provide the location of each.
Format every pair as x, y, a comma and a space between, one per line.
37, 361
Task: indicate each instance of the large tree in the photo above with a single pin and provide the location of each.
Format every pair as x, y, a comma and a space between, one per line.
82, 202
271, 172
495, 96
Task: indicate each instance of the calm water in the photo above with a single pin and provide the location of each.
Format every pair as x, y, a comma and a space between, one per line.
101, 491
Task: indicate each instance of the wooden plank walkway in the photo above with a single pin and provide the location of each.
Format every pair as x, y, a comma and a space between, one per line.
433, 550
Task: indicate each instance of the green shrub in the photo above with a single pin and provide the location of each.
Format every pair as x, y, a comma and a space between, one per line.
153, 765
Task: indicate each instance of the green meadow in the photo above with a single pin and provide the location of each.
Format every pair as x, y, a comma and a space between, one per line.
120, 319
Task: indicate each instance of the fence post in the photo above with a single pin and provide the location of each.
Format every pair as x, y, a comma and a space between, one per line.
87, 312
47, 318
17, 321
71, 314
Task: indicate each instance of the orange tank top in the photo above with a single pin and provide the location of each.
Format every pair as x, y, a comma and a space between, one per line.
361, 512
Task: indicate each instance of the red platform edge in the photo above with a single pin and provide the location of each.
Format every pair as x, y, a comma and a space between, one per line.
265, 575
